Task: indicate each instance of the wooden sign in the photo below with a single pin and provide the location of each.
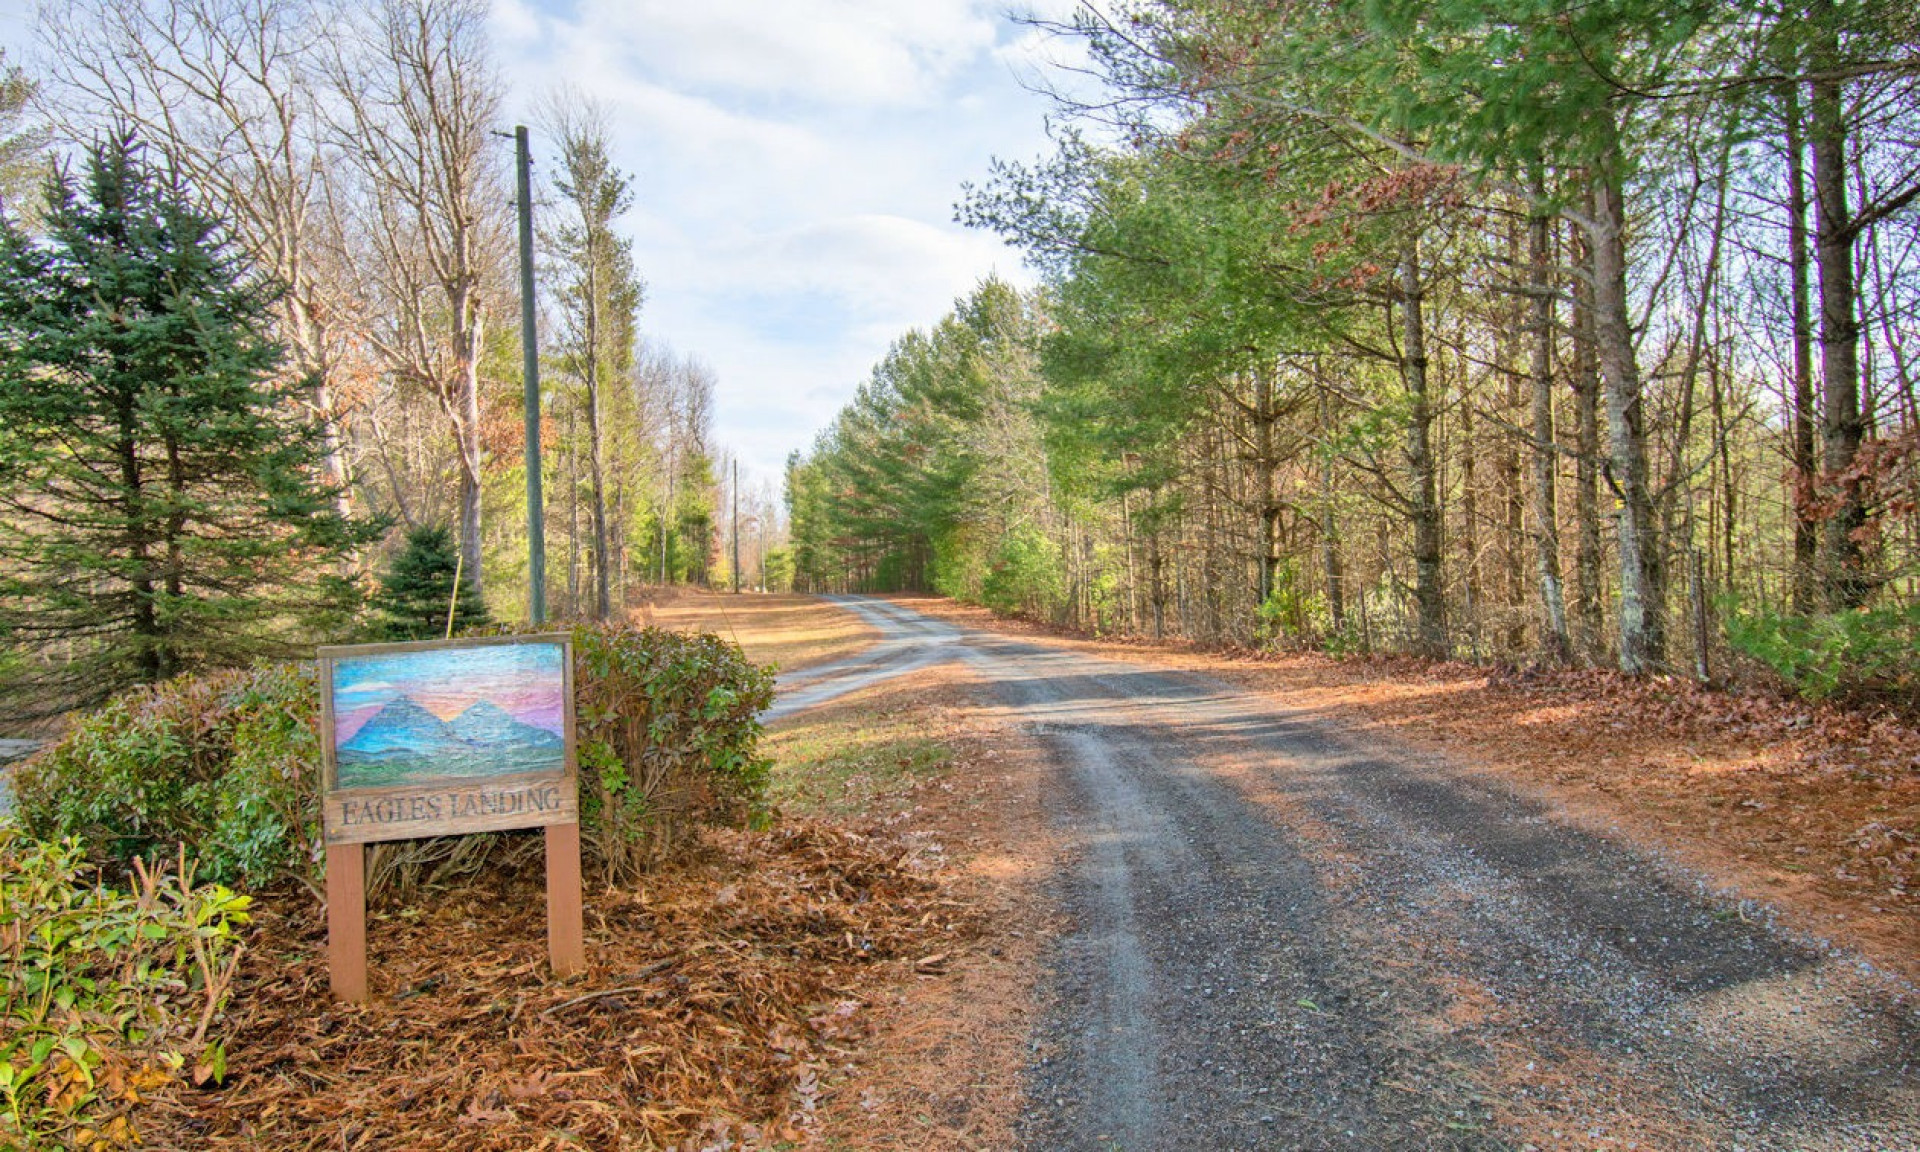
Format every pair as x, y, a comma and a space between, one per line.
445, 738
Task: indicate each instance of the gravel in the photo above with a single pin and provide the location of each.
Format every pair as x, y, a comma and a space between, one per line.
1284, 936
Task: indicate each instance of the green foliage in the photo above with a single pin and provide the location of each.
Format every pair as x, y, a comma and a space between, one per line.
1293, 609
920, 477
416, 593
225, 765
1864, 655
961, 563
104, 993
668, 725
778, 570
176, 521
1025, 576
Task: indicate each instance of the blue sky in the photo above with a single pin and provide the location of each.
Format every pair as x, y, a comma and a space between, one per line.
795, 167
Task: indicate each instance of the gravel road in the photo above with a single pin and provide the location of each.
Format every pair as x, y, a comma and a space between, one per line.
1283, 936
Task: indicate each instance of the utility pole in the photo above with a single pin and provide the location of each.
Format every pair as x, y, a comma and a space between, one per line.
736, 526
530, 355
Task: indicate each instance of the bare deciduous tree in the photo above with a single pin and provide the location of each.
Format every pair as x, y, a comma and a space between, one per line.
417, 100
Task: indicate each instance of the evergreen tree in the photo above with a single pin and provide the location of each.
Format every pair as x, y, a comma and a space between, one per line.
416, 594
599, 296
158, 480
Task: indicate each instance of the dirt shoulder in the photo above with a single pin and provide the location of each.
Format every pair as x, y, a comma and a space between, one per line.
935, 1057
913, 760
1811, 810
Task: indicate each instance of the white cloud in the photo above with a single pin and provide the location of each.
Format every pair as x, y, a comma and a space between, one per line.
795, 167
878, 265
830, 51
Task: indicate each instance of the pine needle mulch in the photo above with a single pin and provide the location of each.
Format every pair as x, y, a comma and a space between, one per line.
718, 998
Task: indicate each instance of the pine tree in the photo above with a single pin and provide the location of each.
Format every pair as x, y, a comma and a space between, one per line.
159, 503
599, 296
416, 594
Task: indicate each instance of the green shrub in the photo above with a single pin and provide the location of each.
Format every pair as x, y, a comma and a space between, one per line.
224, 764
227, 765
668, 728
104, 994
1025, 575
1871, 654
1293, 610
417, 591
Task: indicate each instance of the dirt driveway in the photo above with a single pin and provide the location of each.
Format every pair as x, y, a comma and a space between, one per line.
1283, 936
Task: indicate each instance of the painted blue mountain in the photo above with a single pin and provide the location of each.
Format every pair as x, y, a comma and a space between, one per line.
404, 743
402, 727
487, 725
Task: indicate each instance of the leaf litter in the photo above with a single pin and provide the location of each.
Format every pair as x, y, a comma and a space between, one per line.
719, 996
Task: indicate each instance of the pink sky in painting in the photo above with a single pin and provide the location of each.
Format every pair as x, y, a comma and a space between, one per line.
525, 680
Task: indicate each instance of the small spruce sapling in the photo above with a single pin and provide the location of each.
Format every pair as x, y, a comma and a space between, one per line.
416, 594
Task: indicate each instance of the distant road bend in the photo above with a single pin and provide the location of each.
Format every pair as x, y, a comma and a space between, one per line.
1285, 937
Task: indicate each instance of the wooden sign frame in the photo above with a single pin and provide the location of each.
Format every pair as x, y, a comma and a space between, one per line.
449, 791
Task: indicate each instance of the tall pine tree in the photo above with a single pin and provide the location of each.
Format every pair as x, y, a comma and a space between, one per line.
160, 507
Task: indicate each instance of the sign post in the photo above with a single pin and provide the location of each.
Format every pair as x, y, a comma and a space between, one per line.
447, 738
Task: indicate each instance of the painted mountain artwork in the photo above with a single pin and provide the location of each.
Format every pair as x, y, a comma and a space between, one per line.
448, 713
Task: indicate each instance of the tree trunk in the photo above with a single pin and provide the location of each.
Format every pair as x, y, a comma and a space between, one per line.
1586, 477
466, 350
1842, 573
1723, 452
1133, 583
1471, 586
1430, 631
147, 633
307, 342
1264, 417
1156, 567
573, 520
1642, 590
1806, 526
596, 460
1513, 543
1330, 535
1554, 645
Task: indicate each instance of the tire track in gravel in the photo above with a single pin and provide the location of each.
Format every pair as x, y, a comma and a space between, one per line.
1287, 937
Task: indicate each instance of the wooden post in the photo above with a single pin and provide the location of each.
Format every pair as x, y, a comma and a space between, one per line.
347, 920
566, 936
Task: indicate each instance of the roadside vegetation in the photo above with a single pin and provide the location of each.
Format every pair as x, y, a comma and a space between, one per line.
1586, 341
